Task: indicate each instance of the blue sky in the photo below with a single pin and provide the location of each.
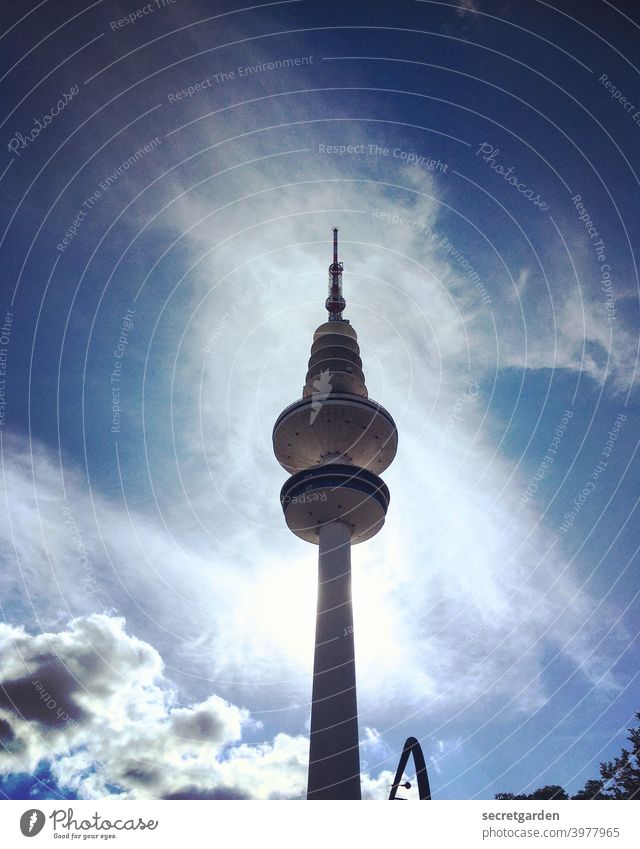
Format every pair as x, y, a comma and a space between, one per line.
166, 212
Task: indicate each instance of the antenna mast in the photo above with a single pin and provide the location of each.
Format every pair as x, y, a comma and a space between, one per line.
335, 303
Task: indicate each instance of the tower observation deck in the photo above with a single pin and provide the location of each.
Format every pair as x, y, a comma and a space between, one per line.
334, 441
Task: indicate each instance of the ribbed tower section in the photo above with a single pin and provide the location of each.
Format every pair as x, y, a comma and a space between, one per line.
334, 442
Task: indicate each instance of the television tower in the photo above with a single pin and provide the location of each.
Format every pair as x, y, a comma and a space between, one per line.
334, 441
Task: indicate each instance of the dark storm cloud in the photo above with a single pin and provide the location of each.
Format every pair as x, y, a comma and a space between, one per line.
45, 696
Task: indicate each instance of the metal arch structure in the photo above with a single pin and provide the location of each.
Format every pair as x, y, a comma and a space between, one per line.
412, 747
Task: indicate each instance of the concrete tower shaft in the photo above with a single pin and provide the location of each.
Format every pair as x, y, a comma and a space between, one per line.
334, 756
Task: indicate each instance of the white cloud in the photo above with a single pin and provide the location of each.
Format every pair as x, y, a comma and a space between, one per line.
93, 700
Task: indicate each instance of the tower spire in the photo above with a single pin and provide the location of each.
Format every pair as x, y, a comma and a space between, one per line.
335, 303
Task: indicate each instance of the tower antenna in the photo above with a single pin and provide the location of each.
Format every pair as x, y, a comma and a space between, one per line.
335, 303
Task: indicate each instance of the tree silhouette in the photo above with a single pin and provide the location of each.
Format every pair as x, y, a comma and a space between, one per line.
619, 778
593, 789
551, 791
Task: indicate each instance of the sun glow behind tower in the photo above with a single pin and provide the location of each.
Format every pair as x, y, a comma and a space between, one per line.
334, 441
